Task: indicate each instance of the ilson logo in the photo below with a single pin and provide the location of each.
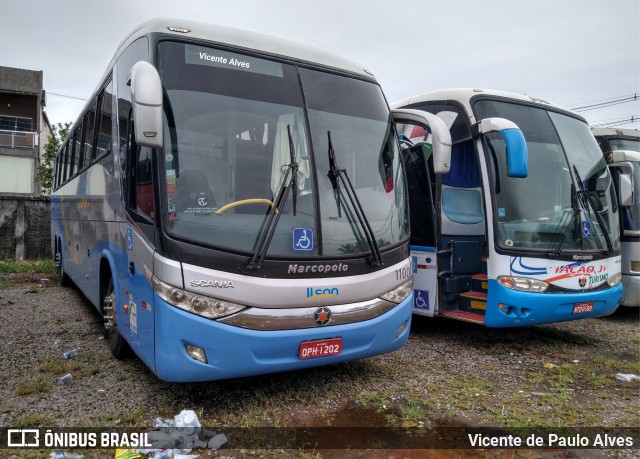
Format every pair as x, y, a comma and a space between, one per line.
319, 293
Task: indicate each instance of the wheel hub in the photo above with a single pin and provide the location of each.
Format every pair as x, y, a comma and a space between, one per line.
109, 313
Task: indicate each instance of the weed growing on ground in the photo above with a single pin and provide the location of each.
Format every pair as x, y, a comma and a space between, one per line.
35, 267
33, 386
32, 420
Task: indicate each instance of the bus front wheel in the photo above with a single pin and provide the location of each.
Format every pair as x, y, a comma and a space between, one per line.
117, 344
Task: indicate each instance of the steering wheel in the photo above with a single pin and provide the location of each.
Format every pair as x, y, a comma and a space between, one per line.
244, 202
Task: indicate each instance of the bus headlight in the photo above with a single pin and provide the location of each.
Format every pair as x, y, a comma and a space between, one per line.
614, 280
523, 284
201, 305
399, 294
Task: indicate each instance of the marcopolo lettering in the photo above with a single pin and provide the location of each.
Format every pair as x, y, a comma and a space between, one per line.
317, 268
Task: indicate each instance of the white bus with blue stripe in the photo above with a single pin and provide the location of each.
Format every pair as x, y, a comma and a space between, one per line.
524, 228
234, 204
621, 148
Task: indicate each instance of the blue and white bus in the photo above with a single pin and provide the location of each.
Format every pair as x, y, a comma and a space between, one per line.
524, 227
234, 204
621, 148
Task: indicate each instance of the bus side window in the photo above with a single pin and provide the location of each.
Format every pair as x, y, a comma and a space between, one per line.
72, 154
77, 150
140, 179
104, 123
143, 182
65, 163
89, 122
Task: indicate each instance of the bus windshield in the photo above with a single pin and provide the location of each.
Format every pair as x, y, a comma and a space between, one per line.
566, 203
233, 124
616, 144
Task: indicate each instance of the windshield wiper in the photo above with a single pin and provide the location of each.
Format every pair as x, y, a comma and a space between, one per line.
268, 228
335, 174
564, 223
587, 202
293, 166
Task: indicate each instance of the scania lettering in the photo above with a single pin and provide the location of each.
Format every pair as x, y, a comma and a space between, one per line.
212, 178
621, 149
212, 283
524, 229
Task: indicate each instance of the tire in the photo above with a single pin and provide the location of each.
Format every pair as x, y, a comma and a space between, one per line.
63, 278
117, 345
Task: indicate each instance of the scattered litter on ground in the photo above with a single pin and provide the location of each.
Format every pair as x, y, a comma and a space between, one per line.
65, 455
175, 438
72, 353
127, 454
627, 377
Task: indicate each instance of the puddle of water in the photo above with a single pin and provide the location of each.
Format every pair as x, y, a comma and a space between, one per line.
361, 416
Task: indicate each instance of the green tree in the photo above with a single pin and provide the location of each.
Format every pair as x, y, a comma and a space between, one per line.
45, 170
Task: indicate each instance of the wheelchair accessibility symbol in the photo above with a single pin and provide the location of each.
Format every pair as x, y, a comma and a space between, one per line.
586, 229
302, 239
421, 299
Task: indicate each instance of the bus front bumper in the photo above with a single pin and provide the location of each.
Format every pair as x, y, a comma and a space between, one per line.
233, 352
513, 308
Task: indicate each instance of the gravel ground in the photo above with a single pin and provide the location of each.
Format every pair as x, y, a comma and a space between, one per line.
449, 373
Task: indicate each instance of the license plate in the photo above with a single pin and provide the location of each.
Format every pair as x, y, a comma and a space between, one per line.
320, 348
581, 308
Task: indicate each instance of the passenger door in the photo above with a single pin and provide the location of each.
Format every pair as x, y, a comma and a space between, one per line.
418, 166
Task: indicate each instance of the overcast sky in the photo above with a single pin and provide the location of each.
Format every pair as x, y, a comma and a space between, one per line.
571, 52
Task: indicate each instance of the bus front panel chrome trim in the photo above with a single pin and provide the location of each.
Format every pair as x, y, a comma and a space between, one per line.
297, 318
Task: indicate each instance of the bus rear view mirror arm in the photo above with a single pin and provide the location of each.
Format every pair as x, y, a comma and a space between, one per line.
441, 137
517, 158
146, 95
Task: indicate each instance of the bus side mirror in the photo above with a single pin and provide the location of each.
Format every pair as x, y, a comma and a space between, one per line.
441, 137
625, 185
517, 156
146, 95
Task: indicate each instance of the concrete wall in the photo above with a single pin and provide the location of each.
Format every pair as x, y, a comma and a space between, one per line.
25, 228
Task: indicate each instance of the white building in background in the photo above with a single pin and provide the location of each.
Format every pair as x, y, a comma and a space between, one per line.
24, 130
